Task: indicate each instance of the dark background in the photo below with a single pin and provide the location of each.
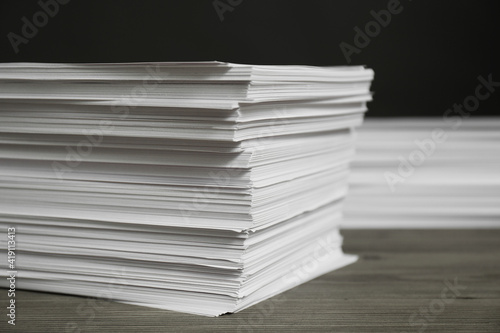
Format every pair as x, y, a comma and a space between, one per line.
425, 60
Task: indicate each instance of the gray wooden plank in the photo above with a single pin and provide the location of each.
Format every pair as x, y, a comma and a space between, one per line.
396, 286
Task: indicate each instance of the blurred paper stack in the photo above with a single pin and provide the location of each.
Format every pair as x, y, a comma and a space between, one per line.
425, 173
195, 187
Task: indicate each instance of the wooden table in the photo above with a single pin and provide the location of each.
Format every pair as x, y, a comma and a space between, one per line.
400, 284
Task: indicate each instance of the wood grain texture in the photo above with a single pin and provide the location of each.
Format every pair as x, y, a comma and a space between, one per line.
396, 286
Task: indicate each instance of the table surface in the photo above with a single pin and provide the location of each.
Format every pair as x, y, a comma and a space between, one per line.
404, 281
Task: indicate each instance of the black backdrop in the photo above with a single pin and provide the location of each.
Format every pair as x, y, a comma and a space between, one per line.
427, 57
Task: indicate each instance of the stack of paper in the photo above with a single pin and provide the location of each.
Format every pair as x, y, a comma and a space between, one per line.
426, 173
196, 187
